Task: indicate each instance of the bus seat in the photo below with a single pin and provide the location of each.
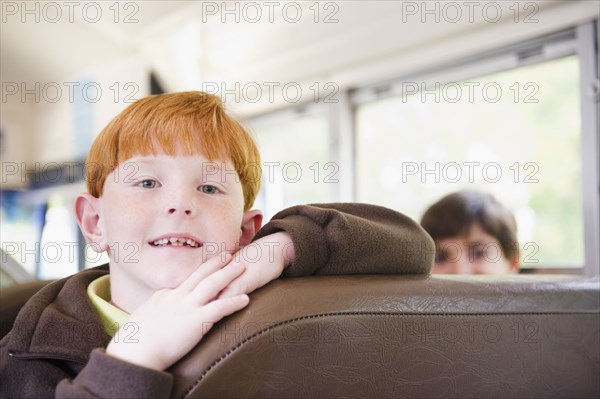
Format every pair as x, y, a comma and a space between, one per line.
399, 336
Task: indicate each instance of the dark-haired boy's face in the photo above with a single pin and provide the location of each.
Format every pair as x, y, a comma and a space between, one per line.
477, 252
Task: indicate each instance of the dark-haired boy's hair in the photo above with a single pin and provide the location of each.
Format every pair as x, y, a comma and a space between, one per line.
454, 214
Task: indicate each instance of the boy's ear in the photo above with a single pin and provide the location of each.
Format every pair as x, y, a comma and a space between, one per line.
87, 212
251, 223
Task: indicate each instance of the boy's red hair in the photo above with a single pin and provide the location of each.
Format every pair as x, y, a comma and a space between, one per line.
185, 123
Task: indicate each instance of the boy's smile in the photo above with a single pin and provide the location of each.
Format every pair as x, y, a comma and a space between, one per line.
176, 240
161, 217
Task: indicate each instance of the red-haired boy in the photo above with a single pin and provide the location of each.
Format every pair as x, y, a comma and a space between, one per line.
171, 182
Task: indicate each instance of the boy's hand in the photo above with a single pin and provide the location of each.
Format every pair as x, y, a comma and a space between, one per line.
264, 260
173, 321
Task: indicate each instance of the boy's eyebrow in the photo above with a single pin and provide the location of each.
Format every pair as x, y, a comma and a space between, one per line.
209, 168
138, 161
218, 170
212, 166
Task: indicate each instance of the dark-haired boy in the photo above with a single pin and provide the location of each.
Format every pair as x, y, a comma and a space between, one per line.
473, 234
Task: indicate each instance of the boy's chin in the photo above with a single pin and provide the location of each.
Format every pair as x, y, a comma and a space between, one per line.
171, 272
170, 280
178, 257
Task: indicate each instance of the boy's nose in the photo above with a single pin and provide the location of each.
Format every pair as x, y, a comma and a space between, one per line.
184, 211
462, 266
180, 202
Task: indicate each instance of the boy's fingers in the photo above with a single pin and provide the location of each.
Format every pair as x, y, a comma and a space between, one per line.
204, 270
217, 309
208, 288
236, 287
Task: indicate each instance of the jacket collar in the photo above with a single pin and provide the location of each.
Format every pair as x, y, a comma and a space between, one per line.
59, 322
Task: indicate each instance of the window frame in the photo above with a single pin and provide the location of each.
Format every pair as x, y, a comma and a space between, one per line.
281, 117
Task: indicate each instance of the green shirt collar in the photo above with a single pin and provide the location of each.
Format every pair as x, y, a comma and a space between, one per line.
112, 317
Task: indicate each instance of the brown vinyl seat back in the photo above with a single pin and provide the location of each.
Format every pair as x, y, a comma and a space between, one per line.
404, 337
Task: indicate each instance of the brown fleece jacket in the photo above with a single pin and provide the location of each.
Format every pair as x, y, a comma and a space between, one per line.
56, 347
351, 238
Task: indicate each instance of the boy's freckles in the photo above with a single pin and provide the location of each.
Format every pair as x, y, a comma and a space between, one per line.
168, 217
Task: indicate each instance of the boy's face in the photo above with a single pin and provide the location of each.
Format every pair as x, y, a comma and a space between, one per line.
477, 252
161, 217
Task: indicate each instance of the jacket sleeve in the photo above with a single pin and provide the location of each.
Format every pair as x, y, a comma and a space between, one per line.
352, 238
107, 377
102, 377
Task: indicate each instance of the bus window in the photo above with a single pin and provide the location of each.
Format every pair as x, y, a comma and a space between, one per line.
294, 149
515, 133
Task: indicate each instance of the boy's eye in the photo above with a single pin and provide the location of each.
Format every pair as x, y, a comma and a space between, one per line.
148, 183
441, 257
478, 253
208, 189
